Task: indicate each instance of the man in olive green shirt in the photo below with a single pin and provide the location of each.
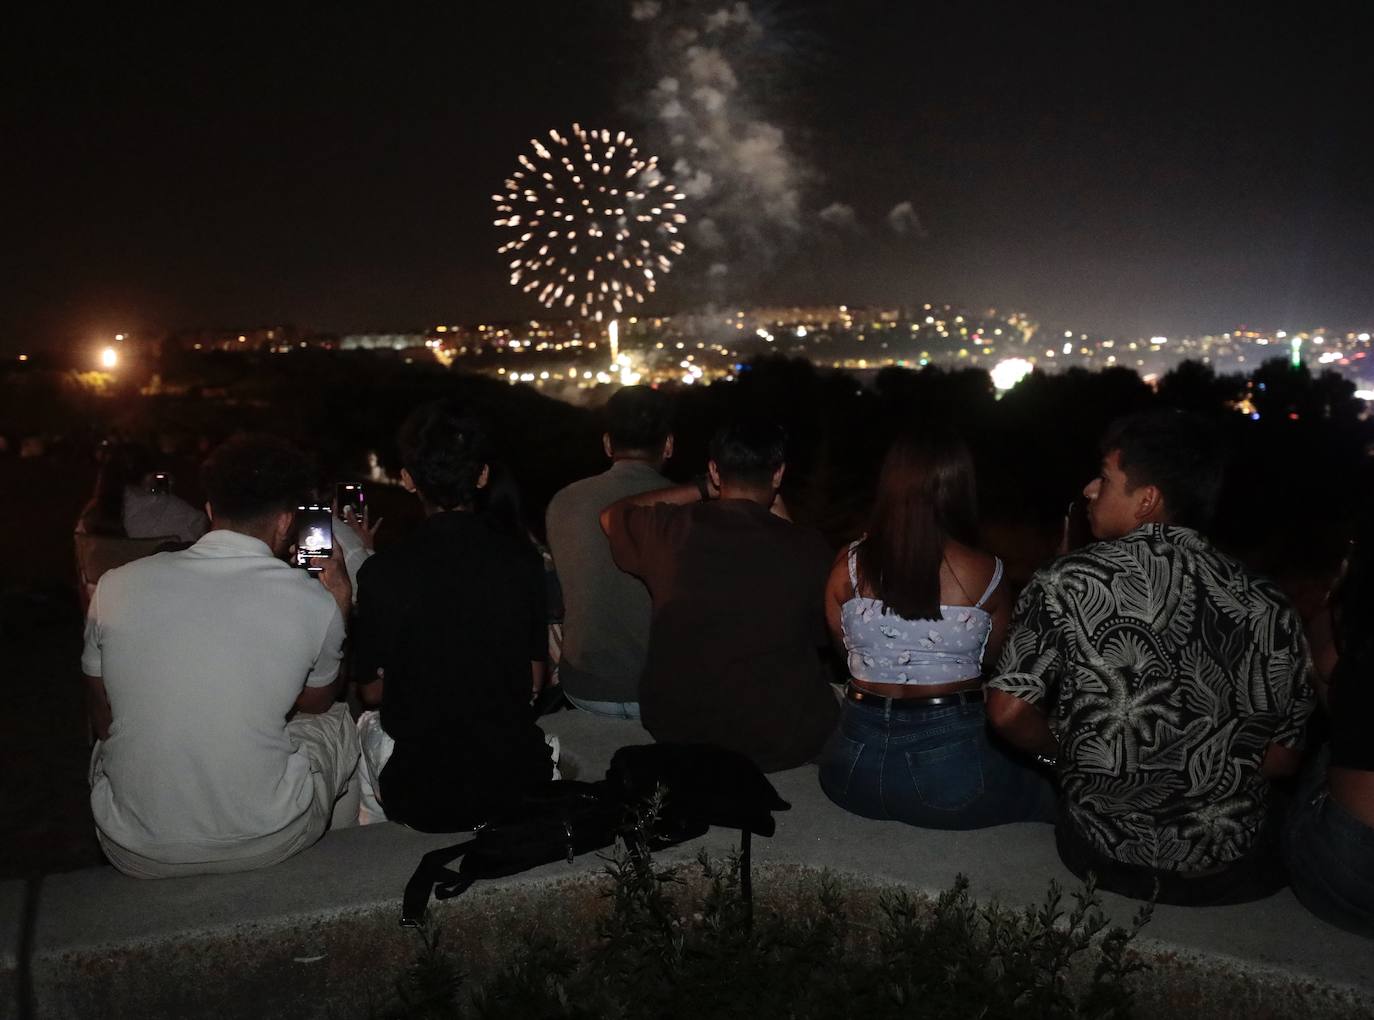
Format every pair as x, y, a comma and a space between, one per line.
606, 611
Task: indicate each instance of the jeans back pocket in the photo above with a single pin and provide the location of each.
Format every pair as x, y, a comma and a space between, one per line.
950, 777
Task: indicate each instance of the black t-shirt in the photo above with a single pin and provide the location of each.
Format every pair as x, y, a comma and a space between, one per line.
454, 616
738, 615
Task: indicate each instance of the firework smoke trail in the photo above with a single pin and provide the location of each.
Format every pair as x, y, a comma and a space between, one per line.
703, 100
592, 225
715, 73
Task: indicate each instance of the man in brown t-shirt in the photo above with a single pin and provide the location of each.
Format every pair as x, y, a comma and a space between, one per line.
737, 605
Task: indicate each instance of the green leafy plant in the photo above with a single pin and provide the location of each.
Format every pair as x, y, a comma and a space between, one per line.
669, 948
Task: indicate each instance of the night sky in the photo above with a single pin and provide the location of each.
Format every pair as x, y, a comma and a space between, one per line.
1124, 171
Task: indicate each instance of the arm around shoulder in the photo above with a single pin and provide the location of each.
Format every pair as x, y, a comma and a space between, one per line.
674, 494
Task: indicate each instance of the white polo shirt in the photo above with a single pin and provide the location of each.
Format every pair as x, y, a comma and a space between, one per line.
203, 652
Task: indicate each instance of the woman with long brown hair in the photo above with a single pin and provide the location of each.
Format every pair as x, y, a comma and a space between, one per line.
918, 609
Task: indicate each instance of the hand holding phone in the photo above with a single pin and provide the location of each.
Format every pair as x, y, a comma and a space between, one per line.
314, 537
333, 574
349, 497
1077, 530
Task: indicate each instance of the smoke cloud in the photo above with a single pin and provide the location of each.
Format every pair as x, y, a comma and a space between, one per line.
839, 215
902, 219
747, 185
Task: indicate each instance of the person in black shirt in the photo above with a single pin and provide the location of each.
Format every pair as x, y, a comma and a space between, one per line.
1328, 839
451, 640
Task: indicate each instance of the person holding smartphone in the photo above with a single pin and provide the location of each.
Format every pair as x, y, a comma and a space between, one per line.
451, 642
355, 529
133, 499
1168, 686
211, 678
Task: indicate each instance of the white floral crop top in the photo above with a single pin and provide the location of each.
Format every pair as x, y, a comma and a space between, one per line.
885, 648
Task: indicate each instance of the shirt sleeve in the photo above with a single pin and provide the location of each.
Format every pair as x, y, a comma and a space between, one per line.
1033, 657
326, 668
1290, 679
638, 534
372, 627
90, 652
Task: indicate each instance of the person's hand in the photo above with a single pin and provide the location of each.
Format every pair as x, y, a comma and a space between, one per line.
334, 576
365, 529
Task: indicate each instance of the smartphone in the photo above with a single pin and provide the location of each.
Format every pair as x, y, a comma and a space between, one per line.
1078, 530
314, 537
349, 496
162, 483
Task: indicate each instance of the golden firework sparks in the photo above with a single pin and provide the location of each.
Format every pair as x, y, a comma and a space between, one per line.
590, 222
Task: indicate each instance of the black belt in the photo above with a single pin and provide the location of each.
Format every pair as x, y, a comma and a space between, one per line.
863, 697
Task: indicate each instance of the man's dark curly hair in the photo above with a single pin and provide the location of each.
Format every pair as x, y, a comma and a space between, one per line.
444, 450
250, 477
1178, 452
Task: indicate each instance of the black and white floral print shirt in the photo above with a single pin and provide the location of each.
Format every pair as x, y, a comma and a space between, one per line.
1166, 670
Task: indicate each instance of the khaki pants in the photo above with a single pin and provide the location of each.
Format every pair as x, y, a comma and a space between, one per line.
330, 741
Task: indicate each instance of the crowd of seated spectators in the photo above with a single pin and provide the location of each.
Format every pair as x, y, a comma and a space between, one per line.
1145, 694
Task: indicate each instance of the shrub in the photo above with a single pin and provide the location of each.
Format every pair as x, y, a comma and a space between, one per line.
662, 953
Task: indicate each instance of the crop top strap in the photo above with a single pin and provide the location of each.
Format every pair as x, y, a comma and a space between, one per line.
853, 567
992, 585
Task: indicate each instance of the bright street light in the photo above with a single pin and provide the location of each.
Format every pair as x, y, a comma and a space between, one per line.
108, 358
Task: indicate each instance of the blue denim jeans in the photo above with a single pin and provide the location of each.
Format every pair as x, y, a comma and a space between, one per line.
610, 709
1330, 856
937, 768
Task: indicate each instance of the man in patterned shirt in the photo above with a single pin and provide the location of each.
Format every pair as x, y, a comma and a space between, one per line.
1168, 683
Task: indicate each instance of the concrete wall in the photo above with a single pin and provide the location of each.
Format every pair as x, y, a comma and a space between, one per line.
323, 925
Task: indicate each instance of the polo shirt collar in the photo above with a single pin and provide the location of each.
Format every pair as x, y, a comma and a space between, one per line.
636, 467
223, 542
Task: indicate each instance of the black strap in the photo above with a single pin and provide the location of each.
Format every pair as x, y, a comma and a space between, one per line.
431, 870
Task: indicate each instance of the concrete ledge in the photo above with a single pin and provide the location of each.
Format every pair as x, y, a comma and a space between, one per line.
106, 945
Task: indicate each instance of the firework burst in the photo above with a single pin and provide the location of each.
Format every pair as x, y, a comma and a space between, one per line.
592, 224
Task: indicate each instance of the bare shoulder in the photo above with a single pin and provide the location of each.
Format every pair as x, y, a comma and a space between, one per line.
973, 569
837, 583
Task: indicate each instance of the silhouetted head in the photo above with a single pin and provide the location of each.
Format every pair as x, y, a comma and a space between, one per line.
1161, 466
253, 484
927, 495
639, 425
444, 456
749, 455
122, 465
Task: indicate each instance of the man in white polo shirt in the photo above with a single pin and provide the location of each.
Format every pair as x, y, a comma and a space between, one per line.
194, 663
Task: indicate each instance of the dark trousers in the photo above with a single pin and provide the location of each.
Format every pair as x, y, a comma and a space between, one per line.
1330, 855
1255, 876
